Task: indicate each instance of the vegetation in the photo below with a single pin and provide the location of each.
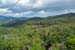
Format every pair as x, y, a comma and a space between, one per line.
51, 33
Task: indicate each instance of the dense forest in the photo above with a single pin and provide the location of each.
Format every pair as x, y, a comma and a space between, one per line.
51, 33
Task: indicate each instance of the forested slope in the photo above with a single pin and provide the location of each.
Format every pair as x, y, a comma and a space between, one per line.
51, 33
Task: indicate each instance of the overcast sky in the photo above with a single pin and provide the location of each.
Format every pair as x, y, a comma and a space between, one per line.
36, 8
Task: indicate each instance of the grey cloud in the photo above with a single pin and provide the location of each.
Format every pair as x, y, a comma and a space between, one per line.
40, 5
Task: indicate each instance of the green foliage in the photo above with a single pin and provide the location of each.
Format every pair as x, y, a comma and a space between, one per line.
49, 33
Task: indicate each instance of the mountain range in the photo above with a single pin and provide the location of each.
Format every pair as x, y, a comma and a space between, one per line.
53, 32
50, 20
6, 19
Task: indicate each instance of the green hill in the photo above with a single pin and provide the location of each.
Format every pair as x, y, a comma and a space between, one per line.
52, 20
55, 33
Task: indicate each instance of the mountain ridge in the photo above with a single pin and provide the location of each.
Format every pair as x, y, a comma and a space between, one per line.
64, 18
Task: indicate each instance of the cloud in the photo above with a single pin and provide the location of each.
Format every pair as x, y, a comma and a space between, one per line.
31, 8
7, 12
4, 11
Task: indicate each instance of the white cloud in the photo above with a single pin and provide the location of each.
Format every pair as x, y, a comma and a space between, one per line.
31, 3
41, 13
4, 11
8, 2
22, 14
7, 12
36, 7
35, 3
24, 3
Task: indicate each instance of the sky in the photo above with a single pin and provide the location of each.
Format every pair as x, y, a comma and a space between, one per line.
36, 8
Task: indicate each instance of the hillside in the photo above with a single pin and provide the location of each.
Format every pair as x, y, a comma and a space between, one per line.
51, 20
5, 19
51, 33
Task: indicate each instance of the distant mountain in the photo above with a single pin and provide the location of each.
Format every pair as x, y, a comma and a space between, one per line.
10, 18
6, 18
58, 19
35, 18
63, 15
69, 14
